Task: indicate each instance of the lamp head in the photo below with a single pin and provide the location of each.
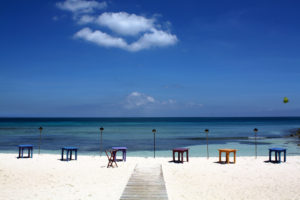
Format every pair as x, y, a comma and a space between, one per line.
41, 128
101, 129
206, 130
255, 130
154, 131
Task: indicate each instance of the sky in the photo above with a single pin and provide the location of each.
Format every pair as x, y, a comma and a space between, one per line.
141, 58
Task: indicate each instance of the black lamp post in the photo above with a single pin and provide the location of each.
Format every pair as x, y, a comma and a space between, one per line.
101, 130
154, 144
41, 129
206, 131
255, 132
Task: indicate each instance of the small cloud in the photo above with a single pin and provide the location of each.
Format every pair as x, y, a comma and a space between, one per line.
86, 19
136, 99
156, 38
141, 100
81, 6
137, 102
151, 99
100, 38
148, 40
124, 23
135, 94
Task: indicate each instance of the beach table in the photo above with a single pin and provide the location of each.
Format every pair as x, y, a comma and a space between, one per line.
180, 152
123, 149
69, 151
277, 154
227, 151
22, 147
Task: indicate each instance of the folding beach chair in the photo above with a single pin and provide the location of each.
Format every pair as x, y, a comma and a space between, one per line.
111, 155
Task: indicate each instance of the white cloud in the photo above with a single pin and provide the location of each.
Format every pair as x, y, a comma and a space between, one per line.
136, 99
135, 94
100, 38
124, 23
148, 40
137, 102
147, 31
151, 99
81, 6
156, 38
85, 19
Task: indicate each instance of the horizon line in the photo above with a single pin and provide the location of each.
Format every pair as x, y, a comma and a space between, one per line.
1, 117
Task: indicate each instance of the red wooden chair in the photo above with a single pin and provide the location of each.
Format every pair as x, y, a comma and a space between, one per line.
111, 155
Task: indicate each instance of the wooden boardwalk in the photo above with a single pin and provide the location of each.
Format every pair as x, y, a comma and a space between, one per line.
146, 182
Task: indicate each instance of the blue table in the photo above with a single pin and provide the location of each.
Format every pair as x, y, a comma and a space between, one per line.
123, 149
69, 151
29, 147
277, 154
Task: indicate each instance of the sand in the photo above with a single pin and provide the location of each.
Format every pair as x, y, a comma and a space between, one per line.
249, 178
46, 177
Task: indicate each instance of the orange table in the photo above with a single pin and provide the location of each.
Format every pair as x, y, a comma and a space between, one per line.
227, 151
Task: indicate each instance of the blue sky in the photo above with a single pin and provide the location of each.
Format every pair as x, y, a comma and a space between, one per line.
81, 58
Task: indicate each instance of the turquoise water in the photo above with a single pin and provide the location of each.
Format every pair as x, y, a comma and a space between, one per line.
136, 134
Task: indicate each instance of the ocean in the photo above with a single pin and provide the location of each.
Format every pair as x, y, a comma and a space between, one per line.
136, 134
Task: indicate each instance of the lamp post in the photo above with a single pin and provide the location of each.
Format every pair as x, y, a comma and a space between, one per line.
41, 129
154, 144
206, 131
255, 132
101, 130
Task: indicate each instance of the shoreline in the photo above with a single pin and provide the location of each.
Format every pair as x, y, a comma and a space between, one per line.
136, 134
295, 134
58, 155
46, 177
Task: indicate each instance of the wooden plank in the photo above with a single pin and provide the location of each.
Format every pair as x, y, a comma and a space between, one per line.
146, 182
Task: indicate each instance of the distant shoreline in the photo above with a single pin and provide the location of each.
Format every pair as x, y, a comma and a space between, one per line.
294, 132
245, 117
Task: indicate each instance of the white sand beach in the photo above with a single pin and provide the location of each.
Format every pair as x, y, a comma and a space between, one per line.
46, 177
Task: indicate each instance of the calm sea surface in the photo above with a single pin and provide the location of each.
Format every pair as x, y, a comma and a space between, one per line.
136, 134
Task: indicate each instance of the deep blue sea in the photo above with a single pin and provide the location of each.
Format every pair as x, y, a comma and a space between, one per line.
136, 134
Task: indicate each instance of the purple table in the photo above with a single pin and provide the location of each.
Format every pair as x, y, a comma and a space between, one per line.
69, 151
123, 149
